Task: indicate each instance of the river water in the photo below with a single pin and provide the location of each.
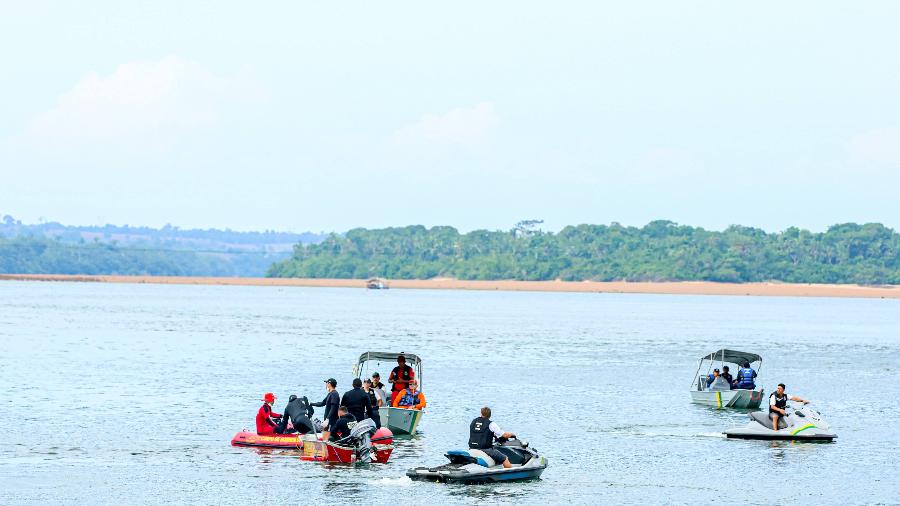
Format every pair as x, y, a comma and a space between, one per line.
117, 393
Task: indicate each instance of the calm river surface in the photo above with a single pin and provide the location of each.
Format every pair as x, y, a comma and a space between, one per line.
131, 393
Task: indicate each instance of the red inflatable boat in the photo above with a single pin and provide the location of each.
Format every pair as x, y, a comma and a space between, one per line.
380, 448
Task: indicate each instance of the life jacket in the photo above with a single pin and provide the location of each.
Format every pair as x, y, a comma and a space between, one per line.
480, 435
745, 378
409, 398
401, 380
780, 402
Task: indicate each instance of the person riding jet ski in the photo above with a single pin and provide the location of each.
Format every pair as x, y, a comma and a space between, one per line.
299, 412
482, 432
778, 403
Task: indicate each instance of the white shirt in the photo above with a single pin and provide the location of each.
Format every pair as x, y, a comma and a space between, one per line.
498, 432
772, 398
380, 395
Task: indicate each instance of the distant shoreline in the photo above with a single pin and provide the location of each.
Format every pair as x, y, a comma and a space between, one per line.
671, 288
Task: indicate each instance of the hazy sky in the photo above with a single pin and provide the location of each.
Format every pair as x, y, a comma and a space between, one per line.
331, 115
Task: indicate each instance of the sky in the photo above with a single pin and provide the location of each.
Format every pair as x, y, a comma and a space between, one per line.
326, 116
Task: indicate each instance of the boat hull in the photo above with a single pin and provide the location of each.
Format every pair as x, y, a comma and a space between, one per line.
399, 420
313, 449
739, 399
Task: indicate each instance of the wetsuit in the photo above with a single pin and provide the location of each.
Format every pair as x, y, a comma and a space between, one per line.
401, 377
331, 402
299, 412
357, 403
264, 420
342, 427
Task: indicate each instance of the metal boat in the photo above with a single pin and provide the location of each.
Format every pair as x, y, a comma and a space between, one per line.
400, 421
721, 395
475, 466
800, 424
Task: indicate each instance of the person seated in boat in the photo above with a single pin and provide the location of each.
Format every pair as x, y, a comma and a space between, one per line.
357, 401
410, 398
778, 404
331, 402
299, 413
712, 377
374, 401
727, 375
745, 378
342, 427
482, 432
399, 377
266, 419
718, 382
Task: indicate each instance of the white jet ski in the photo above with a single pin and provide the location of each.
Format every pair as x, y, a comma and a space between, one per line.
475, 466
800, 424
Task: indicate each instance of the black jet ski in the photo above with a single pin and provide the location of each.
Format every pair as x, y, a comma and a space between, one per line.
475, 466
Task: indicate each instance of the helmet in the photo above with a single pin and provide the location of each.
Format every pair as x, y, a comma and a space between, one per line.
269, 397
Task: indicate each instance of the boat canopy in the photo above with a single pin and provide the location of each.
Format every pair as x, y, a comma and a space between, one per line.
411, 359
733, 356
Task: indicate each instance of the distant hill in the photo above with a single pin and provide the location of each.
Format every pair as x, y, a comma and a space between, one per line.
54, 248
659, 251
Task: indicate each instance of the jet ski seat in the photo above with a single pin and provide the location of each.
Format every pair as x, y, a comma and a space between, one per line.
763, 418
515, 456
471, 457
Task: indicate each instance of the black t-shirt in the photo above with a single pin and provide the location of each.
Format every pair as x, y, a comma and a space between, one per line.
357, 403
342, 427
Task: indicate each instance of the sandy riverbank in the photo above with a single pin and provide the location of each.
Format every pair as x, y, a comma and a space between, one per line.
676, 288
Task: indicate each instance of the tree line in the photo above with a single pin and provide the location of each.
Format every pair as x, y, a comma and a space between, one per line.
660, 251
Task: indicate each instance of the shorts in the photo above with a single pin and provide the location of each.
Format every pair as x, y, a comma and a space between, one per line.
495, 454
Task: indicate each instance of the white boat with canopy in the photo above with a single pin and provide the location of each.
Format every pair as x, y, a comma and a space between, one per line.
719, 393
399, 420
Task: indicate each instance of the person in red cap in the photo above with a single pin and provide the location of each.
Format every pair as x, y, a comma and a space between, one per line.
265, 418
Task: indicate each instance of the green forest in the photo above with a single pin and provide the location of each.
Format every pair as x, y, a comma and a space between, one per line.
39, 255
660, 251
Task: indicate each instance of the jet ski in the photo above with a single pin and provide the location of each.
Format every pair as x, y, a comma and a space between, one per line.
800, 424
475, 466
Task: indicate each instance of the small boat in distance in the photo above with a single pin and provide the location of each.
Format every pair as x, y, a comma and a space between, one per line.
377, 284
720, 394
398, 420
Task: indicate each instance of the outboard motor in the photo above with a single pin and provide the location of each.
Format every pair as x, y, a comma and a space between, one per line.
360, 439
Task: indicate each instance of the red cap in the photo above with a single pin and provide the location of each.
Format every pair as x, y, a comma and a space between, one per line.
269, 397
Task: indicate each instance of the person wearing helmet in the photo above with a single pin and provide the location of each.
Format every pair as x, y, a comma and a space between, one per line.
266, 418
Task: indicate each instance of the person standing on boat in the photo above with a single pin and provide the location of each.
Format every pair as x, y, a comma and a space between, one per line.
378, 386
369, 389
357, 401
482, 432
778, 404
745, 377
331, 402
298, 412
399, 377
265, 417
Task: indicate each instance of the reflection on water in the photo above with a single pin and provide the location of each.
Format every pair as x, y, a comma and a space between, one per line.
136, 390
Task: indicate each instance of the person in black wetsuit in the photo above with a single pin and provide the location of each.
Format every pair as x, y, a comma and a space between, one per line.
299, 412
343, 426
357, 401
331, 402
482, 432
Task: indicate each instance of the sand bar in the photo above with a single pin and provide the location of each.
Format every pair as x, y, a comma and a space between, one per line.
675, 288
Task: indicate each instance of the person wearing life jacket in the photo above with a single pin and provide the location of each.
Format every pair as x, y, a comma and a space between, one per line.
745, 377
482, 432
374, 401
410, 398
778, 404
399, 377
265, 417
299, 413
